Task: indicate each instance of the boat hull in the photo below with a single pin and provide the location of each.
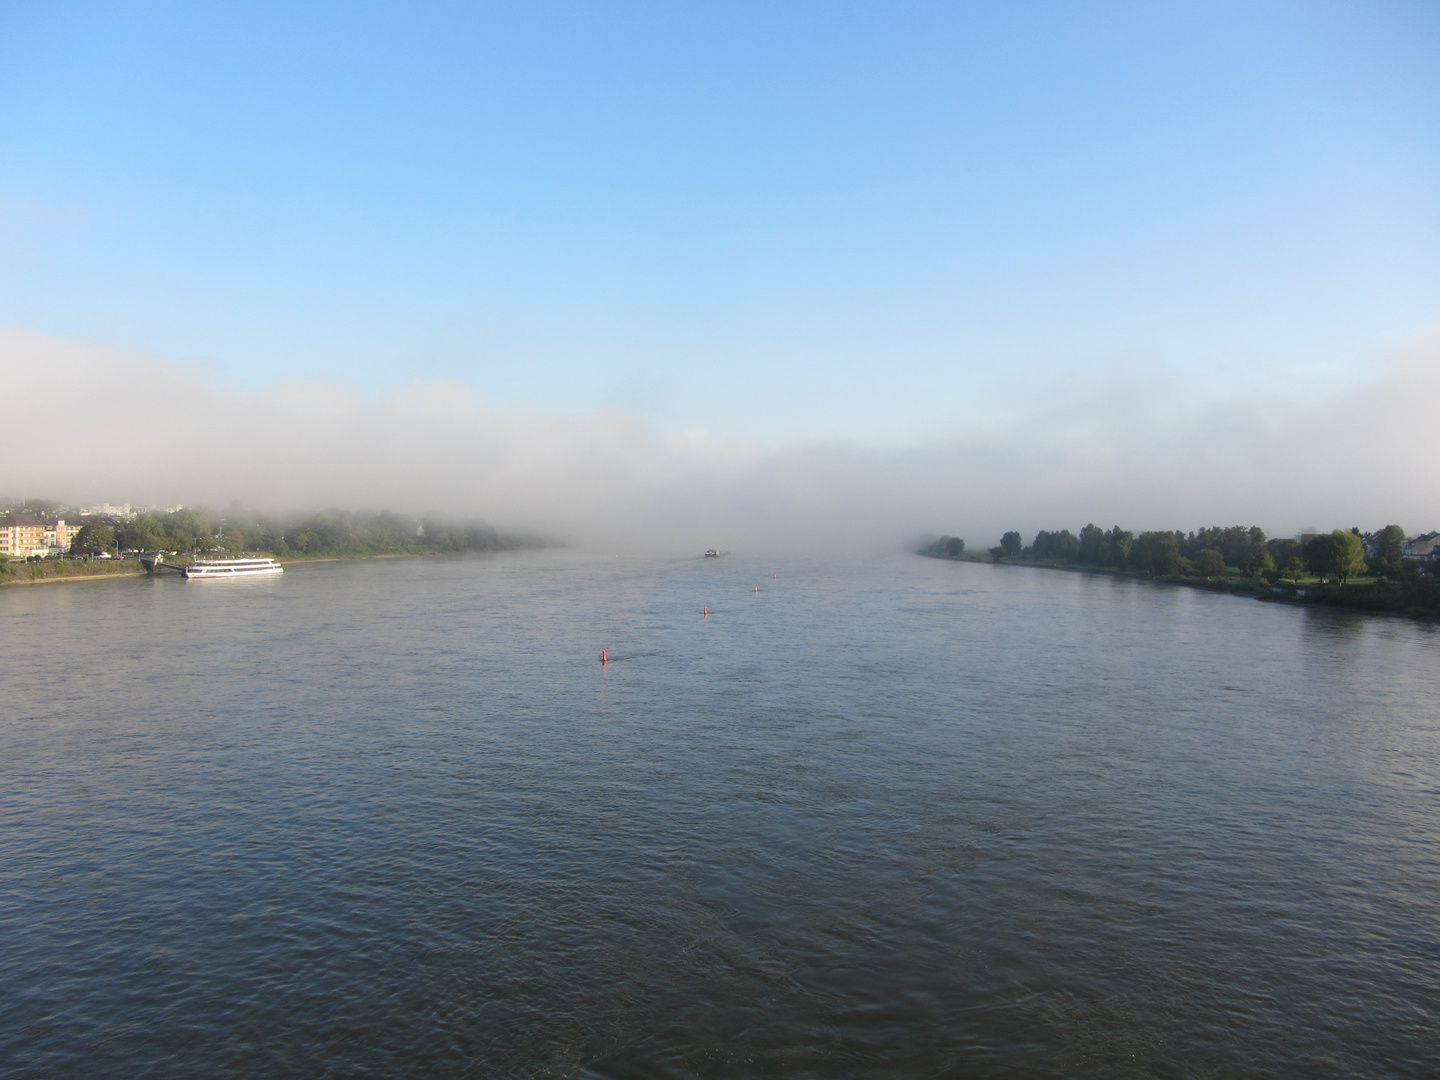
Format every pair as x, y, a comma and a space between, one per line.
229, 569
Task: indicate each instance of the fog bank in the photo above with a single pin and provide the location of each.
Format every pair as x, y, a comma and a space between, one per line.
86, 422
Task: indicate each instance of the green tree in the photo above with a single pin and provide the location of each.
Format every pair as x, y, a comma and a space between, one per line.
141, 535
1320, 556
187, 527
954, 546
1011, 543
1209, 563
1093, 549
1349, 555
1282, 550
1157, 553
1062, 546
93, 538
1237, 544
1260, 564
1390, 549
1120, 542
1294, 567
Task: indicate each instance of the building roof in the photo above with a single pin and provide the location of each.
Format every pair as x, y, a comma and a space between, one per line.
22, 519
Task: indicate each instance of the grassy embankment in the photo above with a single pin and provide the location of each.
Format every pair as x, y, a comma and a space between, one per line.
1417, 596
19, 572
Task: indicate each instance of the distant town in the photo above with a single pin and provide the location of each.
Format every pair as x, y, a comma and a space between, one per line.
41, 528
44, 539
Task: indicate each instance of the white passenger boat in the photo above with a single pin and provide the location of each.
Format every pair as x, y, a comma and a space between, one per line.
232, 568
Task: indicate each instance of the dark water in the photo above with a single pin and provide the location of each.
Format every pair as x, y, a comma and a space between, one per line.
912, 818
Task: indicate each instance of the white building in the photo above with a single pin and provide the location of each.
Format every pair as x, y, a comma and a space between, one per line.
124, 511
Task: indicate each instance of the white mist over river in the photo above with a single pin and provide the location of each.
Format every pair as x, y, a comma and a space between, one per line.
899, 817
1126, 447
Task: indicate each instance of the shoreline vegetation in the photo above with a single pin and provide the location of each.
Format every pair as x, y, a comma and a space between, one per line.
110, 547
1345, 569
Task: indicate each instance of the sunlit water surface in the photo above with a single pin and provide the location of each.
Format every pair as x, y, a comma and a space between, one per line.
910, 817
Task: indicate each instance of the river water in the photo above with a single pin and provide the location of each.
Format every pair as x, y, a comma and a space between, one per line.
897, 818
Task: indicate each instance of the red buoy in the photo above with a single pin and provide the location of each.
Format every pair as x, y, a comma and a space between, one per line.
604, 657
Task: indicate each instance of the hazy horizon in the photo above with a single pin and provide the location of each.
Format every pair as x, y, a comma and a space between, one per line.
143, 430
806, 279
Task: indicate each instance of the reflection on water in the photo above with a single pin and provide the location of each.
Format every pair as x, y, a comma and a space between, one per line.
914, 817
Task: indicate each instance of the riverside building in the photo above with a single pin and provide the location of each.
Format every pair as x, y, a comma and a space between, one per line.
22, 535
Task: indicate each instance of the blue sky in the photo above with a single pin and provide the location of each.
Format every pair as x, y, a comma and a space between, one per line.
868, 222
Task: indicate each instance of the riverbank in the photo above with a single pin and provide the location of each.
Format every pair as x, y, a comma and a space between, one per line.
1417, 598
55, 570
51, 570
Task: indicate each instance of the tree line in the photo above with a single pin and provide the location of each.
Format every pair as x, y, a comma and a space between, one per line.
326, 533
1212, 552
